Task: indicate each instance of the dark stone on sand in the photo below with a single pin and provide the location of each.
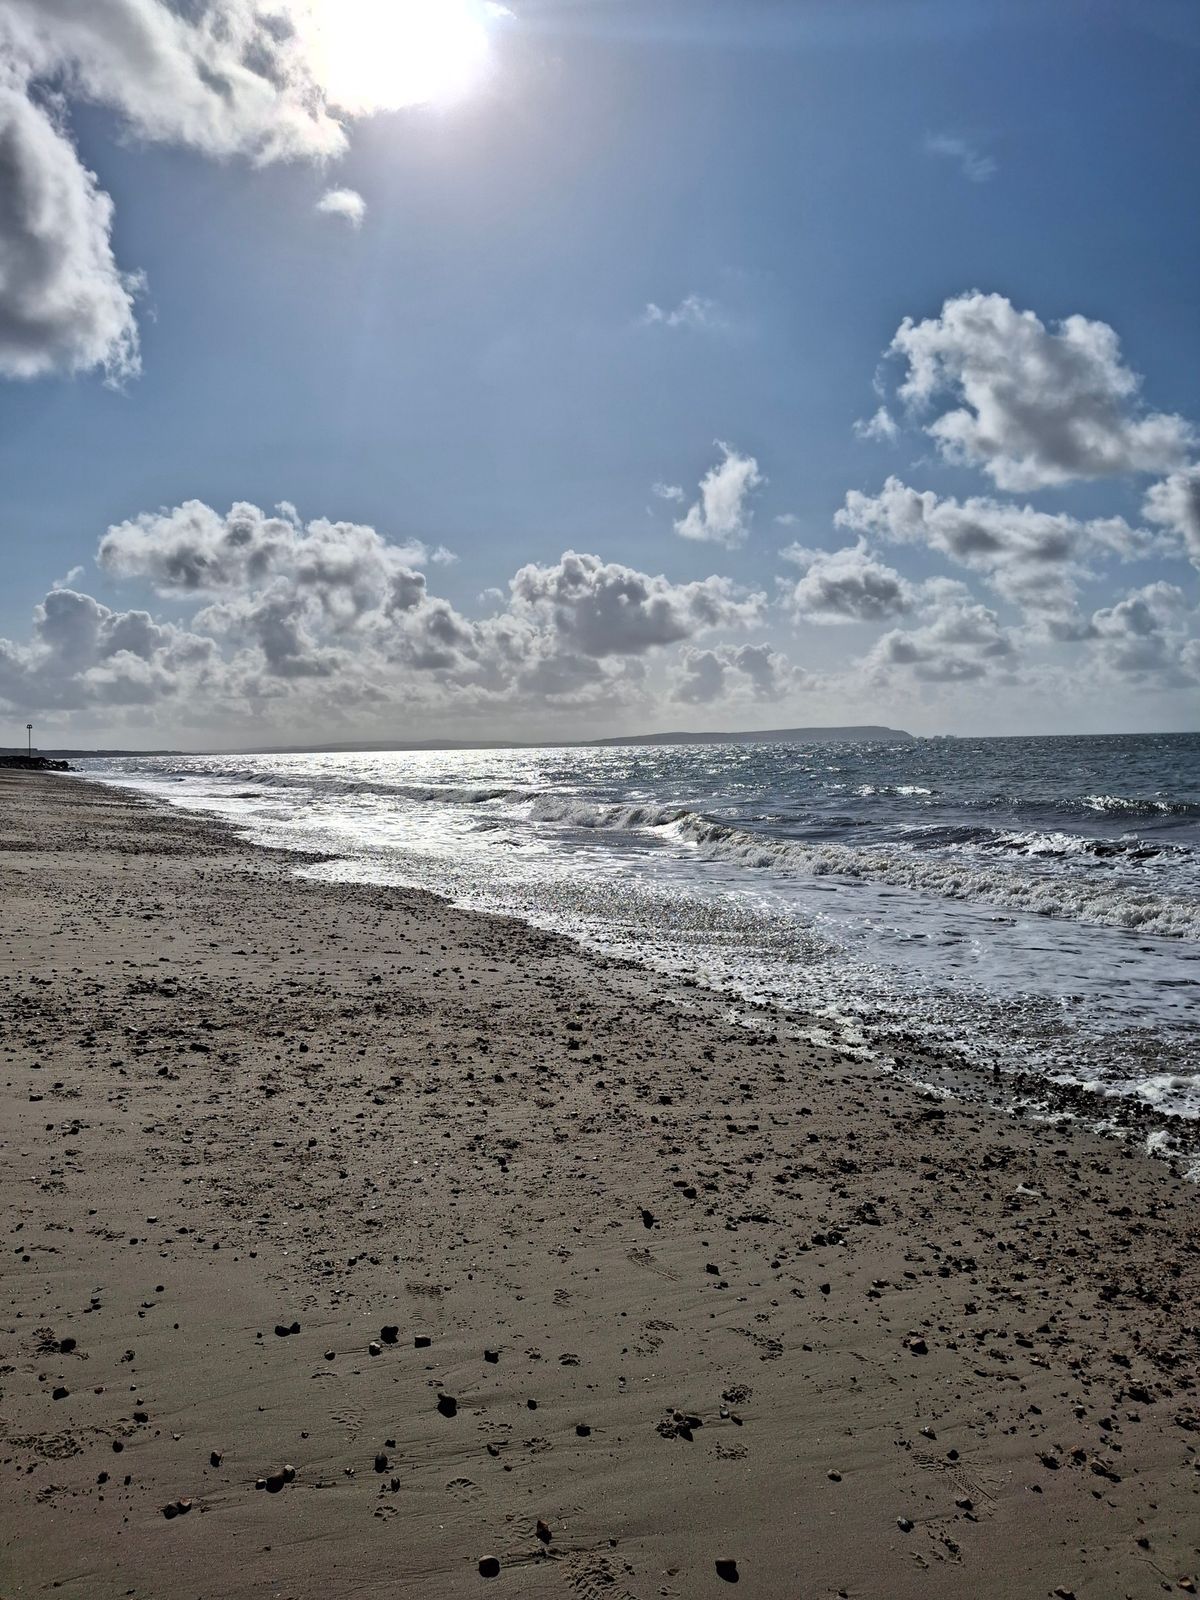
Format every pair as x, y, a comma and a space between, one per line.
215, 1458
66, 1345
421, 1341
582, 1430
274, 1482
381, 1462
171, 1510
727, 1570
60, 1393
834, 1477
543, 1531
648, 1218
282, 1329
447, 1405
904, 1525
489, 1567
491, 1355
389, 1333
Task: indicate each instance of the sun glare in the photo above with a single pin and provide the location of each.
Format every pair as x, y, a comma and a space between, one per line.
380, 55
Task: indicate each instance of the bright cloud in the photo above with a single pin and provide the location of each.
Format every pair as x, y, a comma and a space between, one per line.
694, 311
347, 204
973, 163
722, 515
64, 305
1036, 407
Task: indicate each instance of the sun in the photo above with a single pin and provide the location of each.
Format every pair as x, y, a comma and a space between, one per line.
380, 55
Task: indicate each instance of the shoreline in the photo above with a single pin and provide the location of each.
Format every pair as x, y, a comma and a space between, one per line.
1010, 1090
753, 1270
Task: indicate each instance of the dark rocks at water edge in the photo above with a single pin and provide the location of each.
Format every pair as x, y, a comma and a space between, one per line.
34, 764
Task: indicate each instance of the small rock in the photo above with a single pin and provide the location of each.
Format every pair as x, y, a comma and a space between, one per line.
834, 1477
491, 1355
447, 1405
389, 1333
582, 1431
374, 1348
728, 1570
543, 1531
489, 1567
904, 1525
422, 1341
215, 1458
381, 1462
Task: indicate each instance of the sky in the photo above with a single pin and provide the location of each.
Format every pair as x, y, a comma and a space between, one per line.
398, 369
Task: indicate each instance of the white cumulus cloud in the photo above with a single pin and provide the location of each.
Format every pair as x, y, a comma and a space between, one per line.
1035, 406
346, 204
722, 515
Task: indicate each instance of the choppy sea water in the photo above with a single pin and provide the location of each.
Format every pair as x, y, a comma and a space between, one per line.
1032, 903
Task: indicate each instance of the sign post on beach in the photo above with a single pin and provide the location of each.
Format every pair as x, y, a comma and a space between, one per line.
29, 731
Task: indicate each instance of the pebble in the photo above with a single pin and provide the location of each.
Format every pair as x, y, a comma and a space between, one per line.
447, 1405
489, 1567
728, 1570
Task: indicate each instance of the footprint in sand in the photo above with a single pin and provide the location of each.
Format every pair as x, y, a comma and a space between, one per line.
463, 1489
644, 1258
593, 1578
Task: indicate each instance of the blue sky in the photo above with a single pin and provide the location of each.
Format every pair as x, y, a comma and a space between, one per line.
471, 365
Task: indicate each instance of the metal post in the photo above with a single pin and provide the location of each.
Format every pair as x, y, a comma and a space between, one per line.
29, 731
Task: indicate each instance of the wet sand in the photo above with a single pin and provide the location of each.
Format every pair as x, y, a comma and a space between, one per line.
470, 1247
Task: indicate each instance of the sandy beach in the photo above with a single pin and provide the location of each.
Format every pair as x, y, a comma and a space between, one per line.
362, 1246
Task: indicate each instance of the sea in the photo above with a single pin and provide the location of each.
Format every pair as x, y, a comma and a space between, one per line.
1028, 906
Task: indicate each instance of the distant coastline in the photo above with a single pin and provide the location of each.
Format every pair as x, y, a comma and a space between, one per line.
856, 733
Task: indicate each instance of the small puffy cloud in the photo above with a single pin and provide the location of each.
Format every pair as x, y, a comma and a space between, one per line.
973, 163
603, 608
672, 492
847, 585
722, 515
1175, 504
881, 426
748, 673
693, 311
64, 305
346, 204
1036, 406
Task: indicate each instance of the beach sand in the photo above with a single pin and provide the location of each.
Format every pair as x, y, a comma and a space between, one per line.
596, 1277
